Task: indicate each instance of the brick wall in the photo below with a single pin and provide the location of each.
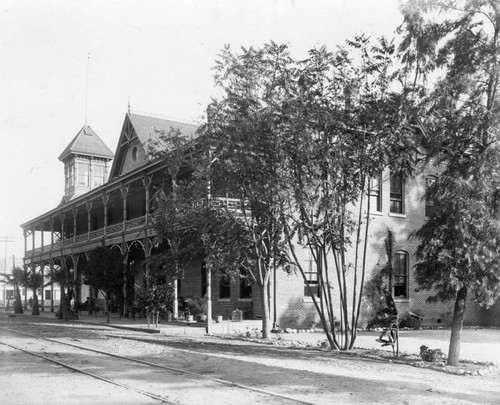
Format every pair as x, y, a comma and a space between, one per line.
295, 310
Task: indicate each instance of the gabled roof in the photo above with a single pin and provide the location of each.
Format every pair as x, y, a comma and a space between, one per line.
146, 131
86, 142
146, 128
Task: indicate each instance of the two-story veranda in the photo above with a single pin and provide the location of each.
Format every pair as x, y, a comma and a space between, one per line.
109, 205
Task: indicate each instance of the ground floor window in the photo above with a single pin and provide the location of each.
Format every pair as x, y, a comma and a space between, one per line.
245, 285
224, 288
401, 275
48, 294
311, 275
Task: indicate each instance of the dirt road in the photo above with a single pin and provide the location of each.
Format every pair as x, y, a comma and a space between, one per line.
310, 376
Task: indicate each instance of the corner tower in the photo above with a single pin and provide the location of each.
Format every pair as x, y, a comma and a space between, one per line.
86, 163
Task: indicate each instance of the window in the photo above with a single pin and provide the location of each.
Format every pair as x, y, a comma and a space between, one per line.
429, 202
245, 285
48, 294
376, 193
134, 154
98, 175
401, 275
311, 273
83, 174
224, 288
10, 294
397, 193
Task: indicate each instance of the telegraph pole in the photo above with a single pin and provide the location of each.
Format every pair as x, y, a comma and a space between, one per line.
5, 240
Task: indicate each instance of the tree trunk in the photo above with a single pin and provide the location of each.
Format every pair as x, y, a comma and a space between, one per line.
36, 307
266, 330
106, 306
456, 327
18, 304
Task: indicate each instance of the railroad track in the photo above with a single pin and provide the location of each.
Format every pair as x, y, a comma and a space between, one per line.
157, 381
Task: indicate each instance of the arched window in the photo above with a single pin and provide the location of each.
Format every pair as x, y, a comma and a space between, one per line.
429, 202
400, 268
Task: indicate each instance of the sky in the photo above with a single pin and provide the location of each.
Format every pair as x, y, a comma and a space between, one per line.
66, 62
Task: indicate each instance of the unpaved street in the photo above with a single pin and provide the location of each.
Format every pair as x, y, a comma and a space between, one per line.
311, 376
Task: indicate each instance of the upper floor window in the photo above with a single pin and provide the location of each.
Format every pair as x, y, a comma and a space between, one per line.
400, 274
98, 176
376, 192
429, 202
83, 174
397, 193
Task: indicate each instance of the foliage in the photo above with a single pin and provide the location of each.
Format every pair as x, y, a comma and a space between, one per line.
242, 135
298, 142
177, 202
33, 280
104, 271
16, 281
197, 305
343, 126
454, 57
410, 321
155, 296
380, 280
431, 355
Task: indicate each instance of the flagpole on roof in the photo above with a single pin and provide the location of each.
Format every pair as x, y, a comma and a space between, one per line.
87, 88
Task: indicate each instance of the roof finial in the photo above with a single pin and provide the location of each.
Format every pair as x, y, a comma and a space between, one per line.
87, 88
129, 104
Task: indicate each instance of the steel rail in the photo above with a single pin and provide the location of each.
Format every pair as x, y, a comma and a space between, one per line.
96, 376
217, 380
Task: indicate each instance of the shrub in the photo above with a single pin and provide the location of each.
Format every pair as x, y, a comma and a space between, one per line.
411, 321
431, 355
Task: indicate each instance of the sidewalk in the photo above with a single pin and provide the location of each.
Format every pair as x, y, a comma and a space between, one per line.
175, 328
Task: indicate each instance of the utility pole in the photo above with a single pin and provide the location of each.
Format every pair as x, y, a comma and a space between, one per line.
5, 240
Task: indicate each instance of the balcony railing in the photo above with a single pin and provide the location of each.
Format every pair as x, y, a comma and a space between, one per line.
91, 236
235, 204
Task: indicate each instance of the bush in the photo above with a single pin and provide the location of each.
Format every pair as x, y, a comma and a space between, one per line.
411, 321
431, 355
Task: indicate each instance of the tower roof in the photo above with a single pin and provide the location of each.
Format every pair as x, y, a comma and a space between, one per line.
86, 142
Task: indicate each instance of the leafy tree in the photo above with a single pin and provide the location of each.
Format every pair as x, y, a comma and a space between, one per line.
242, 135
33, 280
343, 125
61, 275
452, 51
299, 143
16, 281
104, 271
176, 202
155, 296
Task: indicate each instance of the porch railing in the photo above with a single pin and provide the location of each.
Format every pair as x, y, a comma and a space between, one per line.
91, 236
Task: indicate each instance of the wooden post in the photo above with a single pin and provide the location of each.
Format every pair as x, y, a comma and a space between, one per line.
74, 211
105, 199
146, 181
176, 302
88, 206
51, 264
125, 270
124, 190
76, 279
42, 226
42, 270
209, 299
